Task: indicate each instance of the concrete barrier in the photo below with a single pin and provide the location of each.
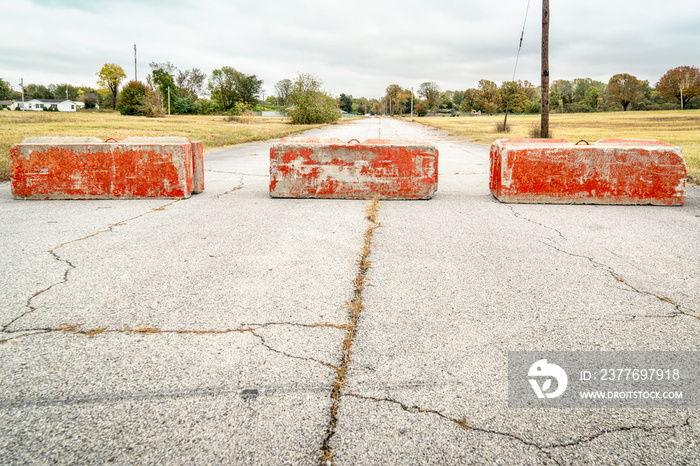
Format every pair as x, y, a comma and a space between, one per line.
610, 171
88, 168
331, 168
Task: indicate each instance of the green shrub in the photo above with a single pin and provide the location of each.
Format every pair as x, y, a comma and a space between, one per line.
310, 104
132, 98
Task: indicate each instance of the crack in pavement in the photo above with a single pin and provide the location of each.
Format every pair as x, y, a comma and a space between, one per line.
523, 217
464, 425
266, 345
678, 306
143, 330
461, 423
235, 188
70, 266
154, 330
355, 308
681, 311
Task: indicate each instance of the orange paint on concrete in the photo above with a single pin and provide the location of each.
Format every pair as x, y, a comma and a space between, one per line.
610, 171
331, 168
86, 168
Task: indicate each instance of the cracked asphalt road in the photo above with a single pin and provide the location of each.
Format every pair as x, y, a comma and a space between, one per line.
211, 329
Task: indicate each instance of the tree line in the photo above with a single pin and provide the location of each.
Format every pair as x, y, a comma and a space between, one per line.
677, 88
227, 90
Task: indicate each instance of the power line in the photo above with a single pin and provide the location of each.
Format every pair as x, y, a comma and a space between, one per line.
520, 46
522, 34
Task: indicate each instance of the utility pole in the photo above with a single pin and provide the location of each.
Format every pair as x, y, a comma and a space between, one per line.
168, 100
682, 86
136, 76
544, 128
21, 86
411, 102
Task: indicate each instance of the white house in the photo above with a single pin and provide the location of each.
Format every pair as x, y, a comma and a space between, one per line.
38, 105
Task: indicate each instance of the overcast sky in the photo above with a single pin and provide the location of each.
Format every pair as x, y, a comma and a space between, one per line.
357, 47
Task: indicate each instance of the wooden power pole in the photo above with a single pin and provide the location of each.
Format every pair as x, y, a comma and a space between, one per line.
544, 128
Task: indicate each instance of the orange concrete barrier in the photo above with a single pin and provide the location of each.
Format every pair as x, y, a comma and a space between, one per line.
610, 171
88, 168
331, 168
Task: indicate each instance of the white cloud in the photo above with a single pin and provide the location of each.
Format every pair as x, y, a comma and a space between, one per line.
357, 47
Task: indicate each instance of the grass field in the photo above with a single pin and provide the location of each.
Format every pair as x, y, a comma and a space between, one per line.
214, 131
676, 127
681, 128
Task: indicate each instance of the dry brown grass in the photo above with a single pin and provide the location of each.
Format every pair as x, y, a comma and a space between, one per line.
681, 128
214, 131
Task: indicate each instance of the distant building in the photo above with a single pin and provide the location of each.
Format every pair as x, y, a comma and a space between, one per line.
38, 105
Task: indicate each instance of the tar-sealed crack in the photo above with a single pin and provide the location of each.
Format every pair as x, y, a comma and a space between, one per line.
355, 308
235, 188
253, 329
543, 448
30, 307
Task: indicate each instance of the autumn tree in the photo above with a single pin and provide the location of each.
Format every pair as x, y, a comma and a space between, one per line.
190, 83
470, 101
681, 83
489, 96
109, 78
513, 97
430, 91
624, 89
397, 98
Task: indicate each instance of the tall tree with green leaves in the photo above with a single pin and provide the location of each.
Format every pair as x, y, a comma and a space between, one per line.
64, 91
164, 82
109, 78
430, 91
229, 86
345, 103
624, 89
5, 90
38, 91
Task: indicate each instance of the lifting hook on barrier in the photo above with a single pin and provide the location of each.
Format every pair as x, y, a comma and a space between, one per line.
353, 140
582, 140
111, 139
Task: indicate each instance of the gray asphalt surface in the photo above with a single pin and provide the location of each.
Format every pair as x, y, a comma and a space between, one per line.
208, 330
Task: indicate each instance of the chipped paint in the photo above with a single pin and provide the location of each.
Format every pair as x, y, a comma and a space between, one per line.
609, 171
331, 168
73, 168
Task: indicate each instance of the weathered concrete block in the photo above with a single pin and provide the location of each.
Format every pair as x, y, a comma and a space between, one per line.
198, 159
331, 168
610, 171
88, 168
